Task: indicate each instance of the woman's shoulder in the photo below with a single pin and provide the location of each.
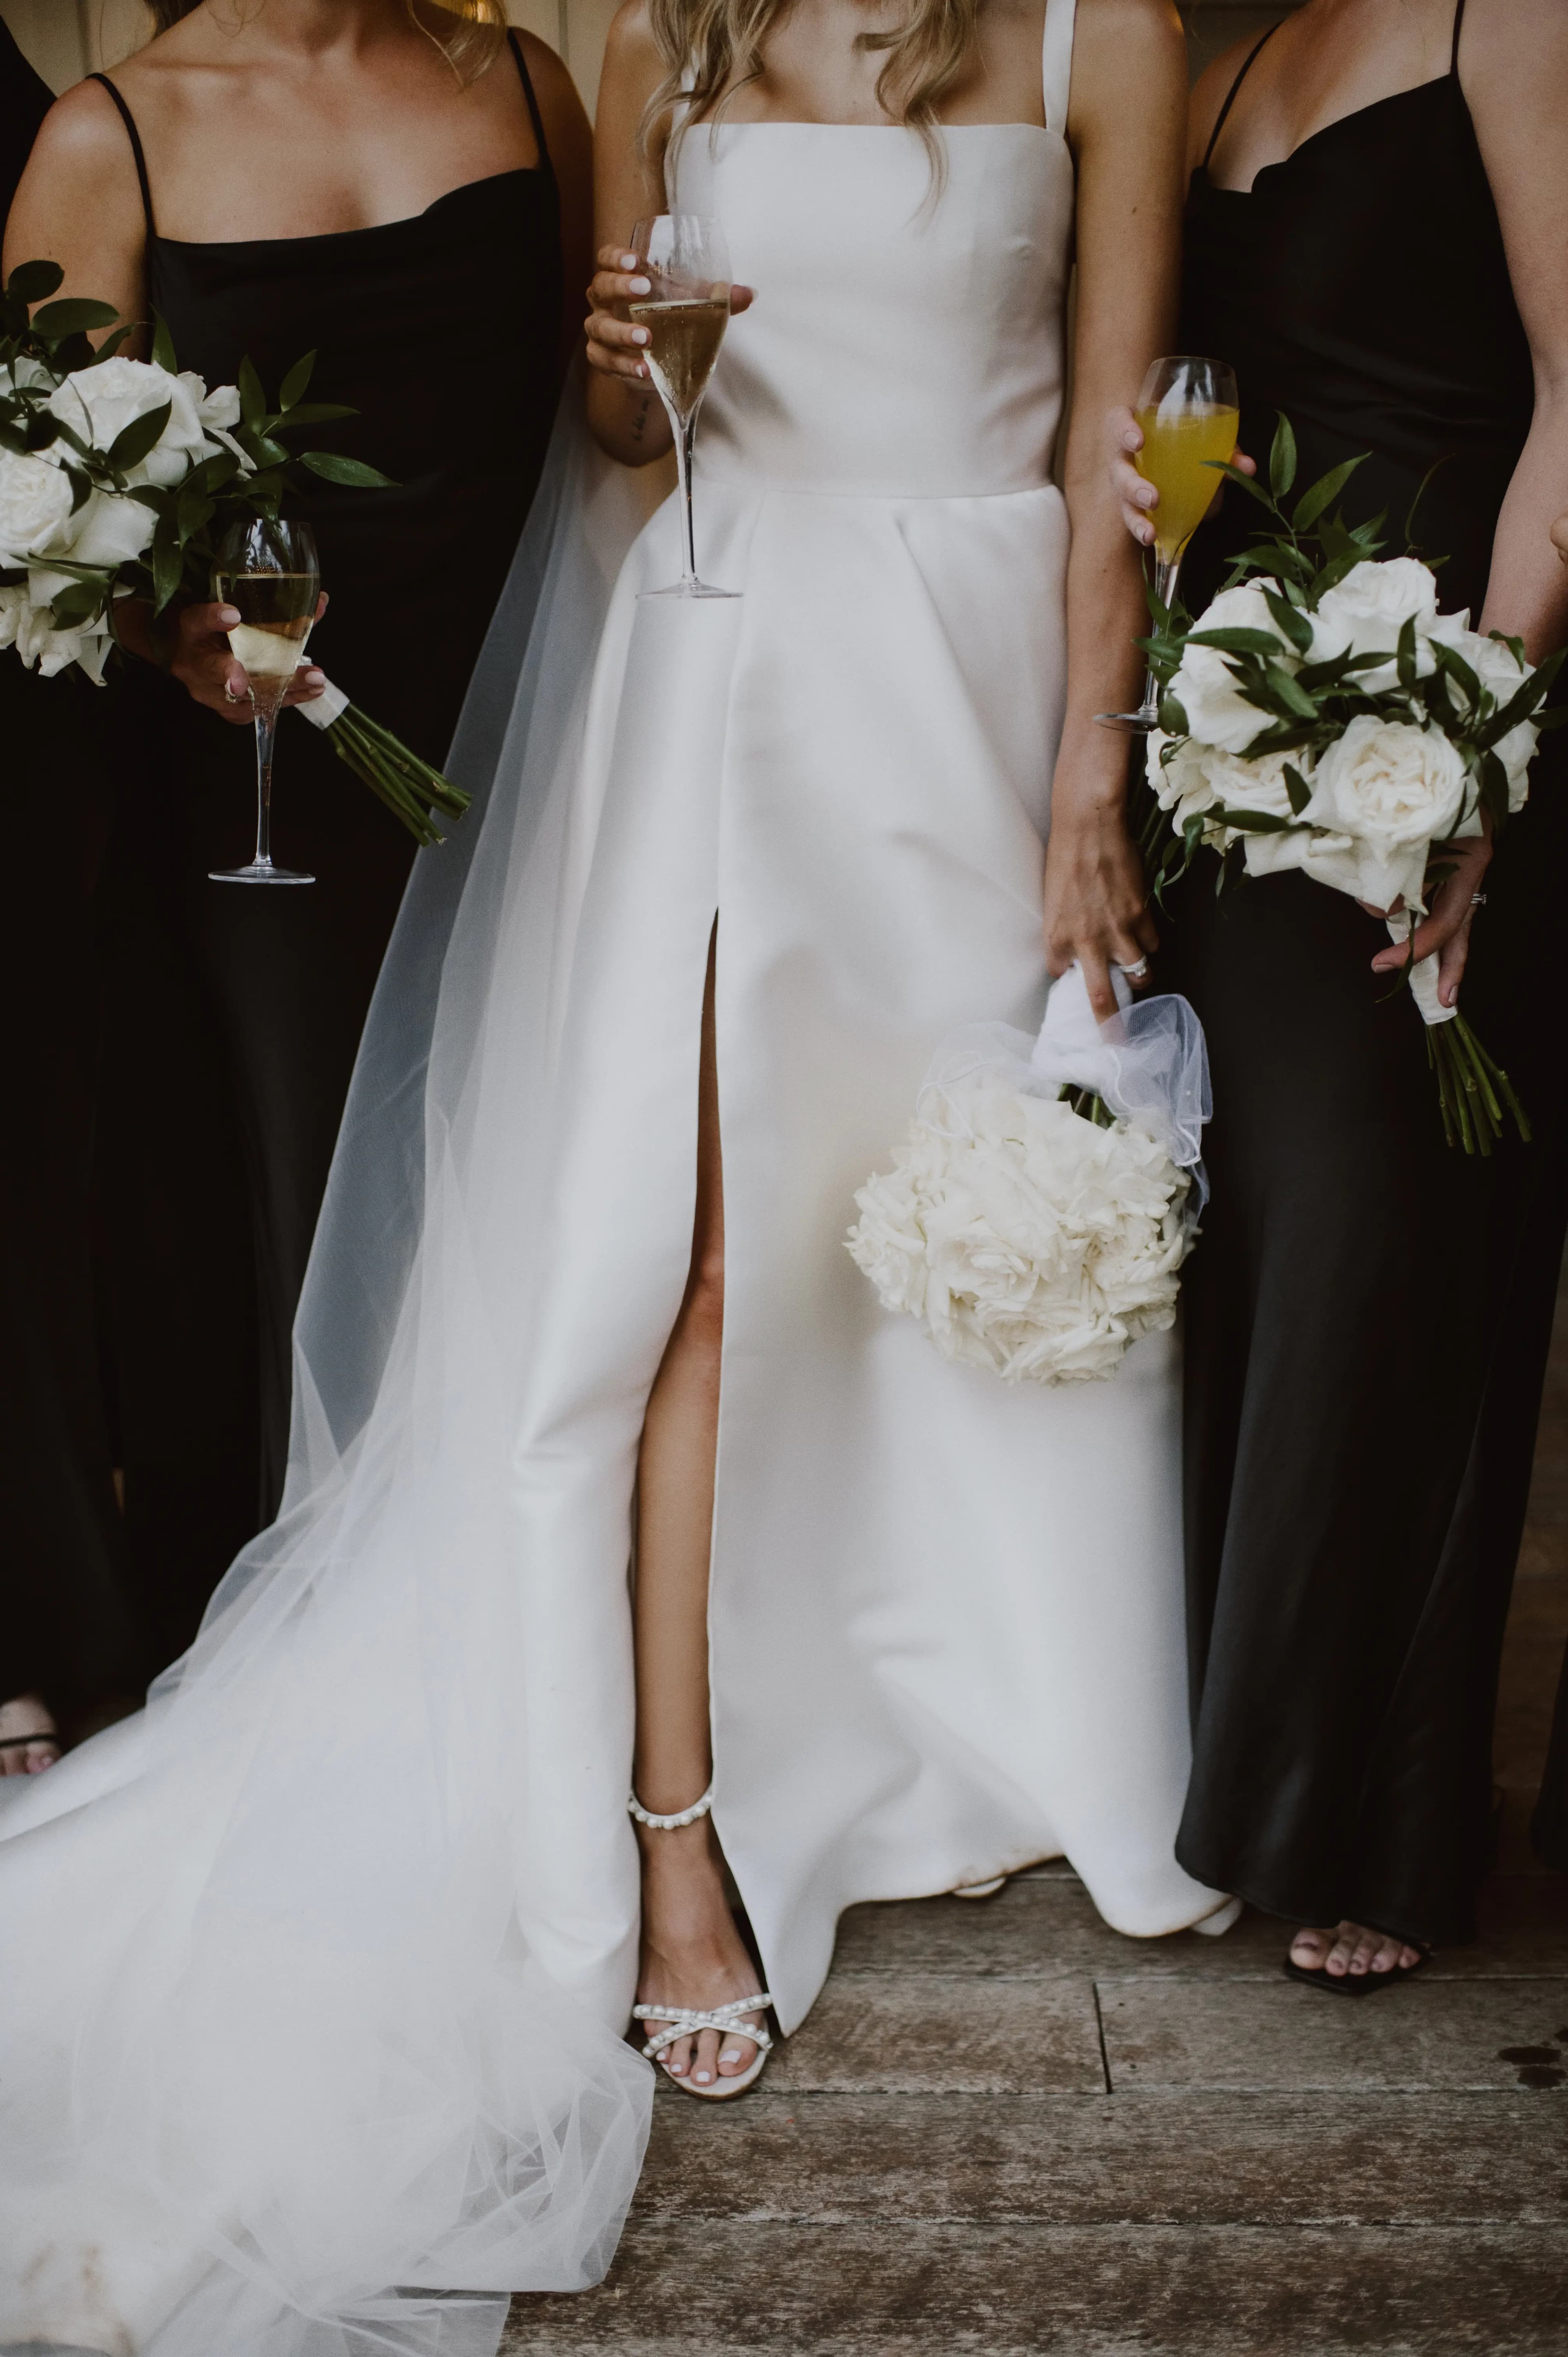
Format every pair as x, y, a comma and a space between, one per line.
632, 53
1124, 52
1210, 91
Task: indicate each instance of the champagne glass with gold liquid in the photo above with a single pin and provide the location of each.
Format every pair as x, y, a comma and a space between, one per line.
269, 572
685, 312
1189, 416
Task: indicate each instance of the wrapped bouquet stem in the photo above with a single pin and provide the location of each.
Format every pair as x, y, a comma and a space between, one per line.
411, 789
1037, 1221
1324, 715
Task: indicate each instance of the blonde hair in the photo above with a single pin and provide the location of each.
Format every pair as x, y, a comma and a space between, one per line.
470, 48
712, 48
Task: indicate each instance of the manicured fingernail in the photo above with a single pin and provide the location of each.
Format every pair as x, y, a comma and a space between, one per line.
642, 285
228, 616
639, 335
629, 261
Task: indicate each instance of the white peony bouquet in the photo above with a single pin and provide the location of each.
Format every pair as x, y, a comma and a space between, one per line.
1037, 1220
1323, 714
117, 479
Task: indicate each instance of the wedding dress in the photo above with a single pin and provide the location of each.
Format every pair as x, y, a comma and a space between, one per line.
315, 1975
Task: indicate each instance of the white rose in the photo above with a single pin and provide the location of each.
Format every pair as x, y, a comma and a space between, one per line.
1257, 785
1181, 784
34, 501
218, 410
108, 528
1498, 668
39, 642
98, 404
1366, 612
1395, 791
1217, 713
13, 606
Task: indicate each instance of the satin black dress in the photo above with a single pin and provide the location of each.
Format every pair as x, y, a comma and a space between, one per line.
1368, 1313
238, 1009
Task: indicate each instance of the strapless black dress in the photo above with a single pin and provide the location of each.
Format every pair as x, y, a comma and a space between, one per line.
240, 1009
1354, 1483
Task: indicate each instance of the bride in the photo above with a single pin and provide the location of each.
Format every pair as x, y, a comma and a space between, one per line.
316, 1972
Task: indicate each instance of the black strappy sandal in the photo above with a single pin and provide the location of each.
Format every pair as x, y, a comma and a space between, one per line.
26, 1742
1357, 1984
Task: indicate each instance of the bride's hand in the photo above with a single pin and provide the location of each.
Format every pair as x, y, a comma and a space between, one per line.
1136, 497
1446, 927
1095, 901
614, 345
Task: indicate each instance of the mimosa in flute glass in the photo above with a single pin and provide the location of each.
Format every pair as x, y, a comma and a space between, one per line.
269, 572
1189, 416
685, 313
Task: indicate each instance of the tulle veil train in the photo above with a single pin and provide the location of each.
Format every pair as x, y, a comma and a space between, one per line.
290, 2039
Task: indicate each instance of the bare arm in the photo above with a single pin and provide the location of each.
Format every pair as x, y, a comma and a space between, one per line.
1126, 123
624, 411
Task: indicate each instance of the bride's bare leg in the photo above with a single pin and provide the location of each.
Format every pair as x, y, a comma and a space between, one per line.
691, 1952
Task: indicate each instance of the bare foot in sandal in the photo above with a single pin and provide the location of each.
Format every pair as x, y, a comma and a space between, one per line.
29, 1739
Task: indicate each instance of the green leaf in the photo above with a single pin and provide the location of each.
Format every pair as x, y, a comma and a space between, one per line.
1237, 642
1172, 716
334, 469
1523, 701
1449, 660
1514, 646
1293, 624
313, 413
1404, 654
168, 564
163, 345
130, 446
57, 320
295, 382
1297, 787
80, 603
252, 399
1290, 694
1247, 822
1324, 493
1282, 458
192, 511
34, 282
1254, 489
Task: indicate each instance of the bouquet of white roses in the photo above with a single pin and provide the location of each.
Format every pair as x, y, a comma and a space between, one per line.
118, 476
1037, 1220
1322, 714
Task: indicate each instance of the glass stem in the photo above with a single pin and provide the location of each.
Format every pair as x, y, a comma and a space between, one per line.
685, 442
266, 737
1167, 572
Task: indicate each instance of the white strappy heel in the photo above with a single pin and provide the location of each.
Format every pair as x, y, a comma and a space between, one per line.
684, 2021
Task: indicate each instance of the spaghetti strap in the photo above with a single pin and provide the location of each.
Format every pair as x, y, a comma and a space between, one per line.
1453, 58
129, 120
1248, 63
534, 115
1055, 61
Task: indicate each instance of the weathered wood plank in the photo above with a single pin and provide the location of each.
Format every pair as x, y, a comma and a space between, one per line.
1169, 2033
1188, 2158
712, 2289
930, 2033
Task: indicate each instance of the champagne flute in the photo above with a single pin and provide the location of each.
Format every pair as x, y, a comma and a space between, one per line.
685, 312
1190, 415
269, 572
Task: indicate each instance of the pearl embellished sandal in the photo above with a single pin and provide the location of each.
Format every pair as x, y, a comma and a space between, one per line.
684, 2021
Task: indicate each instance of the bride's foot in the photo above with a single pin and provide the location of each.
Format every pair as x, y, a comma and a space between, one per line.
29, 1739
1350, 1950
693, 1956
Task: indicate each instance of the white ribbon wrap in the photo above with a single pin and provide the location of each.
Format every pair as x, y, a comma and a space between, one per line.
1149, 1063
325, 708
1423, 978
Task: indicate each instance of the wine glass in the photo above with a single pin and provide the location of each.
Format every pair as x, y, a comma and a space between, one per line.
269, 572
685, 312
1189, 414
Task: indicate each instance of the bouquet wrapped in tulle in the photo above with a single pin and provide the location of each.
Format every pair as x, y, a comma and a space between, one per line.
1323, 714
117, 480
1037, 1220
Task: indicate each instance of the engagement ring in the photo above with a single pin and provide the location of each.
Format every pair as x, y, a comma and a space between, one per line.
1136, 972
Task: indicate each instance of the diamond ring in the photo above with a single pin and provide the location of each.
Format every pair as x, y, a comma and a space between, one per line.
1136, 972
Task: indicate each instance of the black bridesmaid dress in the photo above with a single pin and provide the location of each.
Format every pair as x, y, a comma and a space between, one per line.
1359, 1414
240, 1008
69, 1626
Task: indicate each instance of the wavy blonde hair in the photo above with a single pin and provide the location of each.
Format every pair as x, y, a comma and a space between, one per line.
470, 48
712, 48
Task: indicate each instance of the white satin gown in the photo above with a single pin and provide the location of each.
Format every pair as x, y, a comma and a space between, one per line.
312, 1979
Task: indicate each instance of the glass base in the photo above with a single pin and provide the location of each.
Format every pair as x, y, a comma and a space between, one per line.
689, 589
1130, 724
259, 871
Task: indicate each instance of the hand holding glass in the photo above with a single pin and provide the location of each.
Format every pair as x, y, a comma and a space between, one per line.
268, 571
1189, 416
684, 315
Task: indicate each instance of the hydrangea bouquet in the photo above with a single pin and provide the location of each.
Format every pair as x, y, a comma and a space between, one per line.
1037, 1219
117, 480
1323, 714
